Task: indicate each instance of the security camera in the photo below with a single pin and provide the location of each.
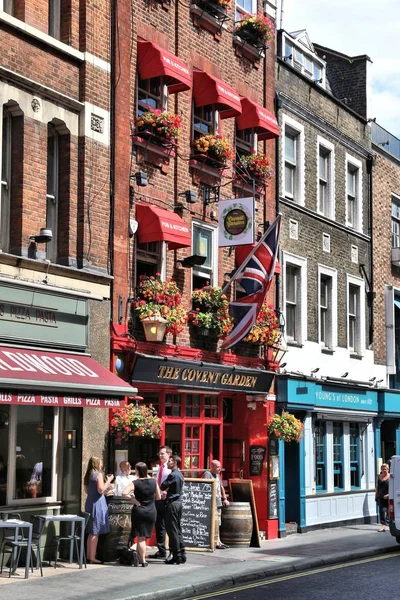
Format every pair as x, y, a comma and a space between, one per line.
45, 236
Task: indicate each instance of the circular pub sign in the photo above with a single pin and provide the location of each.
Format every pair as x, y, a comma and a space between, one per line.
236, 221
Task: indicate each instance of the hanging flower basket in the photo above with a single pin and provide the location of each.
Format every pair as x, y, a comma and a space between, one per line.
265, 330
257, 30
135, 420
210, 314
161, 297
160, 126
285, 427
214, 148
254, 166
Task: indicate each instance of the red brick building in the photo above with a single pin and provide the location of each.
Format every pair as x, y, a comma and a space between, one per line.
189, 59
54, 272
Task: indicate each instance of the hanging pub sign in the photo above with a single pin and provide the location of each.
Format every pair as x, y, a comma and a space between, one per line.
236, 222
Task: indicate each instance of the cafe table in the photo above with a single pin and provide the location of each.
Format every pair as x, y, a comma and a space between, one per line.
73, 520
17, 525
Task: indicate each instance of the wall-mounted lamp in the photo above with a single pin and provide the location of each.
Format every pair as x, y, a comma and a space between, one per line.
45, 236
192, 261
318, 80
70, 438
190, 196
141, 178
288, 57
154, 327
384, 143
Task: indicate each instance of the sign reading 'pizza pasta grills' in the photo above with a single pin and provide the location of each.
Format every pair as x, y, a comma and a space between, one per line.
236, 222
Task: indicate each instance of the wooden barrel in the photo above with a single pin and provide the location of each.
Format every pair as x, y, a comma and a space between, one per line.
237, 524
119, 515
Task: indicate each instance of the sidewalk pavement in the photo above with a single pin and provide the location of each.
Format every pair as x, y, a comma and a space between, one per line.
204, 572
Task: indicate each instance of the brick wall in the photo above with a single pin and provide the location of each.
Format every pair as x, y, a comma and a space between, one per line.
386, 181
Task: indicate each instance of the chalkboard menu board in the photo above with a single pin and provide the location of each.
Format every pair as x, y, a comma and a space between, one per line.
273, 500
198, 513
257, 455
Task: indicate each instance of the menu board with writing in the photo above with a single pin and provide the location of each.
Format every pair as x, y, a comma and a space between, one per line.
273, 500
198, 513
257, 455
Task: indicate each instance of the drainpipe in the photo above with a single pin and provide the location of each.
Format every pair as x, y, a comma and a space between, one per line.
370, 294
278, 106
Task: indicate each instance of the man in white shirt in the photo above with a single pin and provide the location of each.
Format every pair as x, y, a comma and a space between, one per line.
220, 496
124, 479
163, 454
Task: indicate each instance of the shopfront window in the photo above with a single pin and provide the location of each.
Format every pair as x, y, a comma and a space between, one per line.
211, 407
192, 447
172, 405
193, 405
4, 436
338, 456
34, 454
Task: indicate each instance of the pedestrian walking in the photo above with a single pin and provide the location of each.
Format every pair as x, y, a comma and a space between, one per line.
382, 496
173, 485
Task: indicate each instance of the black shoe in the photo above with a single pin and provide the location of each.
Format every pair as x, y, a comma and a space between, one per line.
175, 560
158, 555
183, 558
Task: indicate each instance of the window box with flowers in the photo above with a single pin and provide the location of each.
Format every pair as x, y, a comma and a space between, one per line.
255, 30
285, 427
213, 149
157, 135
210, 14
162, 297
254, 166
210, 313
135, 420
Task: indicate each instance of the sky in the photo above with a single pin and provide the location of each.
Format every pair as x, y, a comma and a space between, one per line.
354, 27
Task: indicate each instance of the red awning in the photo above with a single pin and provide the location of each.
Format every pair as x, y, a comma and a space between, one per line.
74, 376
159, 225
254, 115
207, 89
154, 61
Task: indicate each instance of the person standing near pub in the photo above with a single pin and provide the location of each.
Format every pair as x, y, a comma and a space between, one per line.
163, 471
173, 511
220, 495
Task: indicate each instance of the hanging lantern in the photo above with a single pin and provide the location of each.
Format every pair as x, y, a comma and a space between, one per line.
277, 351
154, 327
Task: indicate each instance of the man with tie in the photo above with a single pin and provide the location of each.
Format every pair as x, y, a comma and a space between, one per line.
162, 474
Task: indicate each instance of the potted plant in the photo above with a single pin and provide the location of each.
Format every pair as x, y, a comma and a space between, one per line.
254, 29
160, 125
135, 420
210, 312
161, 297
285, 427
214, 7
215, 148
265, 330
254, 166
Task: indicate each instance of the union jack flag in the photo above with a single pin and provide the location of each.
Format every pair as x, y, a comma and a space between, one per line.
255, 275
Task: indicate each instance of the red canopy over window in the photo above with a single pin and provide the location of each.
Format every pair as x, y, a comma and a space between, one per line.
159, 225
38, 377
254, 115
154, 61
207, 89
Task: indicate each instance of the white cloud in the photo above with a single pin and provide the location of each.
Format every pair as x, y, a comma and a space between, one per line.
358, 27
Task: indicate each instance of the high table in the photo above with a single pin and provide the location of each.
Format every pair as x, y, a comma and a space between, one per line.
73, 519
17, 525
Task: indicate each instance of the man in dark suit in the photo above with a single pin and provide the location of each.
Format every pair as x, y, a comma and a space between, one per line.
163, 471
173, 511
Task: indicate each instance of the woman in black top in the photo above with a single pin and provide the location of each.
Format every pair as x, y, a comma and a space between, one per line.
144, 513
382, 495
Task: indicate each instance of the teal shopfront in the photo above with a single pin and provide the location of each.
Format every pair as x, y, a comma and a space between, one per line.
329, 477
388, 424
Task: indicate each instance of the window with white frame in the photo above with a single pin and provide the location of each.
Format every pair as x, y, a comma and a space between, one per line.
355, 314
320, 456
246, 143
338, 456
53, 165
295, 298
293, 150
353, 193
205, 244
326, 192
6, 159
395, 222
327, 278
306, 63
244, 7
55, 18
355, 455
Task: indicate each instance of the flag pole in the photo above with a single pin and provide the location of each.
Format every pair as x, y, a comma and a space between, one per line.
260, 241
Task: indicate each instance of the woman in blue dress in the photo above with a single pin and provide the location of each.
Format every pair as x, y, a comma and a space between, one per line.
96, 486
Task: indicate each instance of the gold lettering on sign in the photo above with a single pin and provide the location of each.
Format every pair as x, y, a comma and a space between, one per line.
210, 377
